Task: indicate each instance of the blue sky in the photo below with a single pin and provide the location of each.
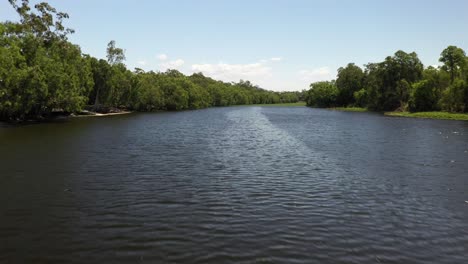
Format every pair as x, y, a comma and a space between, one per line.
277, 44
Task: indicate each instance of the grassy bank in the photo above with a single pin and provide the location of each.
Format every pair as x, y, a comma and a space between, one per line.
430, 115
349, 109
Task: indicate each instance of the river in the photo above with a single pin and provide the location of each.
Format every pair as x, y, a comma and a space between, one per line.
235, 185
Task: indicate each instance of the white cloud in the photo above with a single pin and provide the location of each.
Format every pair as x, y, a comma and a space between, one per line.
162, 57
142, 62
234, 72
175, 64
316, 75
276, 59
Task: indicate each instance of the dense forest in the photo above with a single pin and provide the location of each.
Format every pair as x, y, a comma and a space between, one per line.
42, 72
399, 83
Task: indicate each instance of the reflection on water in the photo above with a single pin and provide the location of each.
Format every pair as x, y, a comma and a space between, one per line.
235, 185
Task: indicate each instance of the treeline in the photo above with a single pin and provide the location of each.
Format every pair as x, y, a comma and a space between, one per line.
41, 72
400, 83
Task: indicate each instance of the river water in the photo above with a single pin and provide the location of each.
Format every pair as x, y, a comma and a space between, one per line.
235, 185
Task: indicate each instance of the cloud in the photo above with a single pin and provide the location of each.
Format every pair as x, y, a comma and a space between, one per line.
162, 57
316, 75
175, 64
165, 64
276, 59
234, 72
142, 62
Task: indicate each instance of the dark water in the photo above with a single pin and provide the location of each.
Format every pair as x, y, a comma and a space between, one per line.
235, 185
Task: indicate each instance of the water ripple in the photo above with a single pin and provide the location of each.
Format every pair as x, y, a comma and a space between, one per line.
235, 185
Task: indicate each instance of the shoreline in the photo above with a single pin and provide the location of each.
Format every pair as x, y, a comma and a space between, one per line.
430, 115
297, 104
62, 117
348, 109
95, 114
434, 115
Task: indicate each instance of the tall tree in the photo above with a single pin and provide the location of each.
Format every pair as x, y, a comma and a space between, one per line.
454, 60
348, 82
46, 22
388, 82
114, 55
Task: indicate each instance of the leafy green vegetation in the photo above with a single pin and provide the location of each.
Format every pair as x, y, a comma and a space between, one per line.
431, 115
399, 83
322, 94
41, 72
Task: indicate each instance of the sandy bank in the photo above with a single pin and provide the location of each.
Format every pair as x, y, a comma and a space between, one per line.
95, 114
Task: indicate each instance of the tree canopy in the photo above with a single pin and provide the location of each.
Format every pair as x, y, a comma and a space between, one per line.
400, 82
42, 72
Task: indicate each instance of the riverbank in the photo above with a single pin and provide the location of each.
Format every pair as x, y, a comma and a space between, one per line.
349, 109
96, 114
60, 116
426, 115
430, 115
279, 104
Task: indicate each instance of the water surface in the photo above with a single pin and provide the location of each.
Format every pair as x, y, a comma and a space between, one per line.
235, 185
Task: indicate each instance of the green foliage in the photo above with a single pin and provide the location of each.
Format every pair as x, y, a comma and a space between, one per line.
464, 70
454, 98
350, 80
360, 98
176, 98
41, 72
114, 55
322, 94
388, 82
119, 84
454, 60
399, 83
101, 71
440, 79
38, 76
423, 97
45, 22
149, 95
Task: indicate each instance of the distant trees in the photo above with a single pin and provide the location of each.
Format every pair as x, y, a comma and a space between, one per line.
42, 72
149, 94
113, 81
400, 82
322, 94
